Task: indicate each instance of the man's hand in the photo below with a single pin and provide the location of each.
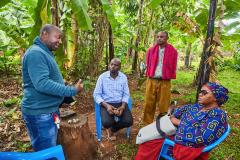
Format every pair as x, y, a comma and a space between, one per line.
79, 85
110, 109
120, 110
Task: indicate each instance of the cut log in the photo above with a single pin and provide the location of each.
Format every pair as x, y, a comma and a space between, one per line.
77, 140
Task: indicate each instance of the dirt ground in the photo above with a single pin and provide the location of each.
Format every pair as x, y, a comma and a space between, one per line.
107, 148
13, 135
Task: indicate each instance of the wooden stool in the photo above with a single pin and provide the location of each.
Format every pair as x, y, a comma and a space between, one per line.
77, 140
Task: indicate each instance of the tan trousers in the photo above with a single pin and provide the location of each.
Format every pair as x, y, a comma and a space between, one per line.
158, 93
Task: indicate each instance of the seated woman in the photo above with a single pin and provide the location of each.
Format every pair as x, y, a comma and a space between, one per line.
198, 125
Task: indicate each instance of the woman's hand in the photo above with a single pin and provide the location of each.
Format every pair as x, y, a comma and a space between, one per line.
175, 121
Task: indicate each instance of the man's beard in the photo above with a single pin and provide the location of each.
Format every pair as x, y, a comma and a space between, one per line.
114, 72
51, 46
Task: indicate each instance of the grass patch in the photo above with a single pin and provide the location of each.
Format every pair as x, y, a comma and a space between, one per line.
229, 149
184, 78
233, 104
127, 150
183, 84
230, 79
137, 95
22, 146
10, 102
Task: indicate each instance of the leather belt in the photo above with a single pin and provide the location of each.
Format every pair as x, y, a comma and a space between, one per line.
160, 78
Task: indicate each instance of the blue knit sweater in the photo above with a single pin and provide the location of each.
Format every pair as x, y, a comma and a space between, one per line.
43, 83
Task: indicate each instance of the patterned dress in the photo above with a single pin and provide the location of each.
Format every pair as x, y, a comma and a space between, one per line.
199, 128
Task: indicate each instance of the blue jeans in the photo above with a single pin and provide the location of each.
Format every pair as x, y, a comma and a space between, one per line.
42, 130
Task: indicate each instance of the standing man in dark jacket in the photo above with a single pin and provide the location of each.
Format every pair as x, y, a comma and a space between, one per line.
44, 88
161, 63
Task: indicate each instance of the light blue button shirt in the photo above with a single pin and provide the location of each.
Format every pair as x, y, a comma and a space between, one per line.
111, 90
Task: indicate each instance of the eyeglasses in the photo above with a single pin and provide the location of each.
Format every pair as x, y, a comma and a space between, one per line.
204, 92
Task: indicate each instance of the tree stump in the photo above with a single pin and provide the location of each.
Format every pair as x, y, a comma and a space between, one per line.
77, 140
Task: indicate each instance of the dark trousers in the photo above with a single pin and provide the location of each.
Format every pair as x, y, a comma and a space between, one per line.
108, 121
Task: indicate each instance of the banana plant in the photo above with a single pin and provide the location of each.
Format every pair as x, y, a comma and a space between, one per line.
40, 17
18, 28
80, 8
4, 2
109, 12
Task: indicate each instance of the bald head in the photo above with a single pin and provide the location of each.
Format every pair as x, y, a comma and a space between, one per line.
48, 28
51, 36
116, 60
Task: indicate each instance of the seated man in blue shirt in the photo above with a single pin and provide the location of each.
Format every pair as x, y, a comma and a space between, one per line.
112, 94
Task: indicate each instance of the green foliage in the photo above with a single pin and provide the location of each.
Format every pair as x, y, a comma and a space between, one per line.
109, 12
201, 17
127, 150
18, 28
232, 8
137, 95
155, 3
89, 84
233, 63
129, 7
230, 78
229, 148
4, 2
237, 60
13, 32
183, 84
8, 61
12, 112
184, 79
227, 63
1, 119
235, 24
79, 8
39, 18
10, 102
22, 146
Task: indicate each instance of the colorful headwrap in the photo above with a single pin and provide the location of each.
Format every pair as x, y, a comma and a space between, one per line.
219, 92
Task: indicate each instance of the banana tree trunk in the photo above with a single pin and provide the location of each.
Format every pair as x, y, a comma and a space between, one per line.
130, 49
204, 68
107, 59
72, 40
187, 55
54, 10
111, 45
148, 29
138, 38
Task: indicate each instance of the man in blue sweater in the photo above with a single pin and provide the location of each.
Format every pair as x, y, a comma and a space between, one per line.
44, 88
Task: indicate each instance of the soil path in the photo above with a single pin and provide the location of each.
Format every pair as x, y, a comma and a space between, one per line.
13, 135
